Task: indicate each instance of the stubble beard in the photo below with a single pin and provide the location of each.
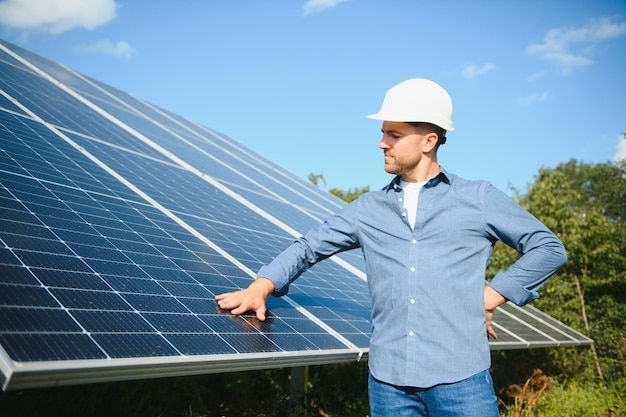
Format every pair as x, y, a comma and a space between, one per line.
392, 169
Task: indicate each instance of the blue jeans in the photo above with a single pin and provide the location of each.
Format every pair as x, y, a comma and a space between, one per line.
471, 397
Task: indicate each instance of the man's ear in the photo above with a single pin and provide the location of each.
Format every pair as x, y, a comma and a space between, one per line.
431, 141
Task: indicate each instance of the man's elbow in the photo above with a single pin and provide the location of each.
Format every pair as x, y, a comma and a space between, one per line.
560, 255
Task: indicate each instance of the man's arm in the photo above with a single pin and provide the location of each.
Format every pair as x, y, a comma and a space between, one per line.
336, 234
542, 253
249, 299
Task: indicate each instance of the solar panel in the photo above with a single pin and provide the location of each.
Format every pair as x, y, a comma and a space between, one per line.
120, 223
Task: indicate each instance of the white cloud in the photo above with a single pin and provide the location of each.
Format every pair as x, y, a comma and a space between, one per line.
316, 6
535, 76
473, 71
56, 16
620, 152
106, 47
534, 98
572, 47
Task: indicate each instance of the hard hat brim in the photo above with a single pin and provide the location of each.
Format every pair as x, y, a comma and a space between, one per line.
381, 115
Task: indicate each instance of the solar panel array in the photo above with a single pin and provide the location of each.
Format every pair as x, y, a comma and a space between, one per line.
120, 223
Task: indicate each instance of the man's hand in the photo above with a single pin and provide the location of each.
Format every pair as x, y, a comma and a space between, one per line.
249, 299
491, 333
492, 300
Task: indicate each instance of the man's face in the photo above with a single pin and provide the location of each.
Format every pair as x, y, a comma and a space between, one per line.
403, 148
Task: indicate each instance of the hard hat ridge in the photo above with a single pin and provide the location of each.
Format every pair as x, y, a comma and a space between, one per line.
417, 100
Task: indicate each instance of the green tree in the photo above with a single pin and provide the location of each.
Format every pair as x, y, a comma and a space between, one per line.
350, 194
346, 195
314, 179
584, 205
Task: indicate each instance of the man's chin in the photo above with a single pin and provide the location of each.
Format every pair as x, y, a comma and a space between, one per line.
390, 170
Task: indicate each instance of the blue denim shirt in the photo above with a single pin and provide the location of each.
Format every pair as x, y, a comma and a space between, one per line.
426, 284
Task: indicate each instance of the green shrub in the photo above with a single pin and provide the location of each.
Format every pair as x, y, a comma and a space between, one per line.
575, 400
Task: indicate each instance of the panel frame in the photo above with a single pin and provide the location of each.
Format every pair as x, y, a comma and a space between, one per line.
75, 372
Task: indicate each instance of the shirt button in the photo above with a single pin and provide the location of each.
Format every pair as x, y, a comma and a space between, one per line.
414, 241
411, 334
412, 269
400, 199
412, 301
403, 214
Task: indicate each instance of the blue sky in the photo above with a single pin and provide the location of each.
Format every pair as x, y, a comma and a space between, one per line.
534, 83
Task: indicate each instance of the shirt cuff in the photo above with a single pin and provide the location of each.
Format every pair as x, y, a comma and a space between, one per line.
512, 290
280, 288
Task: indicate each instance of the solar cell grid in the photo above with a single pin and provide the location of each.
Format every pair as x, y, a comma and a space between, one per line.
36, 320
44, 99
198, 344
228, 156
40, 347
8, 106
25, 296
30, 147
134, 345
227, 167
68, 279
96, 321
8, 61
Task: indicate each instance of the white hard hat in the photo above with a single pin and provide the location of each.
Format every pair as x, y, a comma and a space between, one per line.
417, 100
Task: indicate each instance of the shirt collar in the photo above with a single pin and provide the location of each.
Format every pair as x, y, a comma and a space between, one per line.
442, 176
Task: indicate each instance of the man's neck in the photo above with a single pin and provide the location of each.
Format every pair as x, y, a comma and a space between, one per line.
422, 173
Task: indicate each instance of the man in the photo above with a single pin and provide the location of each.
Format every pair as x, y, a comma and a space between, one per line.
426, 240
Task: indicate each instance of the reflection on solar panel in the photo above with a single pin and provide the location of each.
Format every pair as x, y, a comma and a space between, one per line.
121, 221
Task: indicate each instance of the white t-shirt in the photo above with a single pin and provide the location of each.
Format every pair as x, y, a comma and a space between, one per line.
411, 196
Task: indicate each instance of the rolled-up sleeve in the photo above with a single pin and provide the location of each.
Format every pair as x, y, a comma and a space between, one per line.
542, 253
336, 234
